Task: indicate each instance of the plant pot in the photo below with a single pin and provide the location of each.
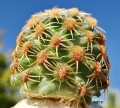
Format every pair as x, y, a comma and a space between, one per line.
50, 103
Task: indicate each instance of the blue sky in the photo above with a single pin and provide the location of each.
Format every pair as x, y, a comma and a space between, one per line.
14, 14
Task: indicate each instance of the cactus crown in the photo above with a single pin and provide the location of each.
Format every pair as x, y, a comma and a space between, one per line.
61, 53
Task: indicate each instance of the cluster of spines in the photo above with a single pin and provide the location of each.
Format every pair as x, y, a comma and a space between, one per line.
73, 31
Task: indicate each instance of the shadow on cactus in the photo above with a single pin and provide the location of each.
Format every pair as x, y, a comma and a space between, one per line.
61, 53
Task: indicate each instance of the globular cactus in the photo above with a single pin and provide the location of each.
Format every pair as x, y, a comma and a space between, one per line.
61, 53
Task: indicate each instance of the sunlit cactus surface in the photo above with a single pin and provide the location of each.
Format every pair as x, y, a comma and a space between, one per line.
61, 54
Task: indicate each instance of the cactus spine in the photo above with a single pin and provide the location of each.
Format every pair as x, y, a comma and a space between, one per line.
61, 53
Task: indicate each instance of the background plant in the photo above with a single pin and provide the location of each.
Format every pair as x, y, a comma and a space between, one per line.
8, 95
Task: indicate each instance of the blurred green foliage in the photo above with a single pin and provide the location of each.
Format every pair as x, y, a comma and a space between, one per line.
112, 101
8, 95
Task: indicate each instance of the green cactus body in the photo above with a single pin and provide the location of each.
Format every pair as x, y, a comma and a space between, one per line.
61, 54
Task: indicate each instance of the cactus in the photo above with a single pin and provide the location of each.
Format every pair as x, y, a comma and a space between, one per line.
61, 54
